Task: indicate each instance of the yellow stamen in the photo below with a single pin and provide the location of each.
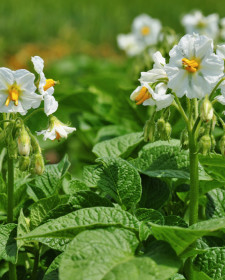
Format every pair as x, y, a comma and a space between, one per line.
142, 96
57, 135
13, 92
49, 83
145, 30
190, 65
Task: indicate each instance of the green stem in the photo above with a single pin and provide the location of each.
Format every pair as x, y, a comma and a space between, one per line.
194, 180
10, 190
12, 267
217, 85
181, 110
36, 264
33, 113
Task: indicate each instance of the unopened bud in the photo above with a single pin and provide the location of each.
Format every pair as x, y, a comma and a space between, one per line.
149, 131
205, 144
23, 142
222, 145
37, 164
24, 162
164, 129
184, 139
213, 143
206, 110
160, 125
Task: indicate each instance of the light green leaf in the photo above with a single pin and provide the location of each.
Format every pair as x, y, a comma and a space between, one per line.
52, 177
121, 146
181, 238
117, 178
212, 262
107, 254
59, 232
215, 207
74, 186
22, 228
40, 209
165, 159
175, 221
8, 248
214, 165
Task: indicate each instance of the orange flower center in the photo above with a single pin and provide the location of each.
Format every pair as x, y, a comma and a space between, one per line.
142, 96
190, 65
13, 95
57, 135
49, 83
145, 30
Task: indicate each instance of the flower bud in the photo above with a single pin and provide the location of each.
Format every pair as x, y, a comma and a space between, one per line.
184, 140
37, 164
222, 145
160, 125
206, 110
24, 162
164, 129
205, 144
23, 142
149, 131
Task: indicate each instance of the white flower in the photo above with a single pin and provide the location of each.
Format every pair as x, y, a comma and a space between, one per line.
145, 95
193, 69
130, 44
157, 73
146, 29
222, 32
220, 51
197, 23
56, 130
17, 91
45, 87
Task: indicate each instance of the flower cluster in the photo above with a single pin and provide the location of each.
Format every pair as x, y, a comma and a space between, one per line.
193, 70
18, 95
145, 32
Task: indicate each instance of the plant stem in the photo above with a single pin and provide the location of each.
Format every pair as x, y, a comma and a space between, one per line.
10, 190
12, 267
36, 263
194, 181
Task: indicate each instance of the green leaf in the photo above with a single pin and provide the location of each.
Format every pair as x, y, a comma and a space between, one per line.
80, 200
181, 238
22, 228
74, 186
175, 221
215, 207
59, 232
177, 277
155, 193
212, 262
52, 177
149, 215
121, 146
40, 209
165, 159
8, 248
214, 165
117, 178
52, 272
106, 254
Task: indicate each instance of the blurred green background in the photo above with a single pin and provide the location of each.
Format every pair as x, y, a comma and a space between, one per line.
77, 39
